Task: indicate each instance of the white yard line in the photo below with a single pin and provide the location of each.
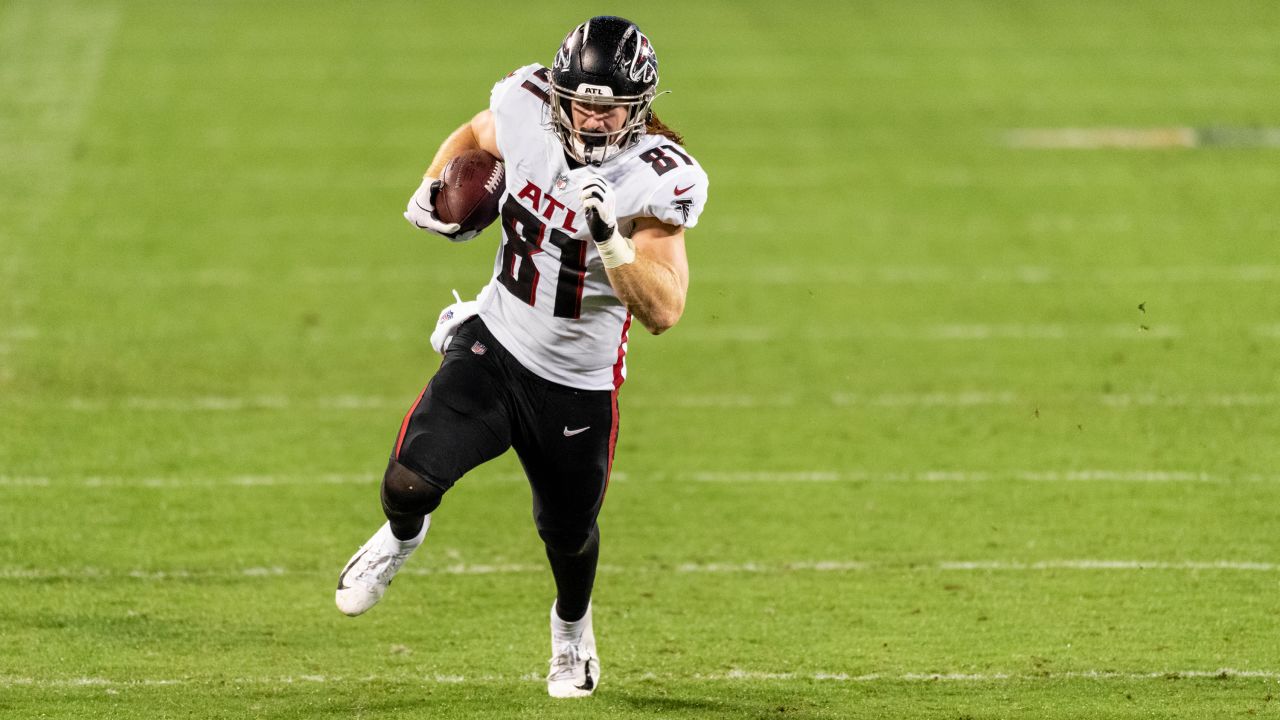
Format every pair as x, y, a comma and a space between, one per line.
796, 275
947, 332
1141, 138
972, 476
730, 676
236, 403
1221, 673
95, 481
711, 568
52, 59
90, 573
930, 399
1223, 400
979, 565
19, 333
734, 477
708, 476
965, 398
1111, 565
753, 567
174, 482
1095, 138
24, 481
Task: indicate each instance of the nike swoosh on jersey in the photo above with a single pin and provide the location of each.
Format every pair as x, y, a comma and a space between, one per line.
681, 191
571, 433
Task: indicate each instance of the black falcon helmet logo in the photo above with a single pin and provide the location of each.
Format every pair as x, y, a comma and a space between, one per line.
605, 61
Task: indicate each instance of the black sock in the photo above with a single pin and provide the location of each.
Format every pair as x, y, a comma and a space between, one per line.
406, 528
575, 575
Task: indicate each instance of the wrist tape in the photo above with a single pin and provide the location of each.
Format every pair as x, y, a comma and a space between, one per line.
617, 250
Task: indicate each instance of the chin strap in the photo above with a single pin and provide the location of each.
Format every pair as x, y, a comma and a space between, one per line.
593, 154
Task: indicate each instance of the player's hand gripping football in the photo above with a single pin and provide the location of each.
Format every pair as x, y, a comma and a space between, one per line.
600, 208
421, 211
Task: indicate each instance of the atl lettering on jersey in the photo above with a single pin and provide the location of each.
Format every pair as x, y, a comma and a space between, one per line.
551, 304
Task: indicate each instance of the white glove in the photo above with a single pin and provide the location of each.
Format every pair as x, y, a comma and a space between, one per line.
452, 317
421, 211
600, 207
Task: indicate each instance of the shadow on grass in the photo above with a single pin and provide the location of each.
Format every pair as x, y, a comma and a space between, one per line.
734, 703
672, 706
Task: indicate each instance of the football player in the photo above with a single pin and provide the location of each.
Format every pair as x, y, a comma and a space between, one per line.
598, 195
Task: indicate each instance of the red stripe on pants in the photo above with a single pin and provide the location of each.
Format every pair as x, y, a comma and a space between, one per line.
407, 416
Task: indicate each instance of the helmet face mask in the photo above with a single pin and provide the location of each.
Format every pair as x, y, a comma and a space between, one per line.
606, 63
593, 147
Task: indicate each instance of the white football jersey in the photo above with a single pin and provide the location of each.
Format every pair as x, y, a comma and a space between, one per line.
550, 303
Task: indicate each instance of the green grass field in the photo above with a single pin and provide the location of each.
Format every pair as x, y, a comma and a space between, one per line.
950, 428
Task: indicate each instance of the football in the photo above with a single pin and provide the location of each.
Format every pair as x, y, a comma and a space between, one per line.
471, 185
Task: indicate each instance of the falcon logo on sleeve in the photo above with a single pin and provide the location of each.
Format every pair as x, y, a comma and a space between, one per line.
683, 205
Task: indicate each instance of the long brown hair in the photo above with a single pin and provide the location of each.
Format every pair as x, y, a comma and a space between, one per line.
654, 126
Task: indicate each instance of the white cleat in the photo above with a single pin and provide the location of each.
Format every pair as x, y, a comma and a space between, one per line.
365, 578
575, 667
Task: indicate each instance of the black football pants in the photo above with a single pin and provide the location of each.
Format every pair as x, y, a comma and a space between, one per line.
482, 401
